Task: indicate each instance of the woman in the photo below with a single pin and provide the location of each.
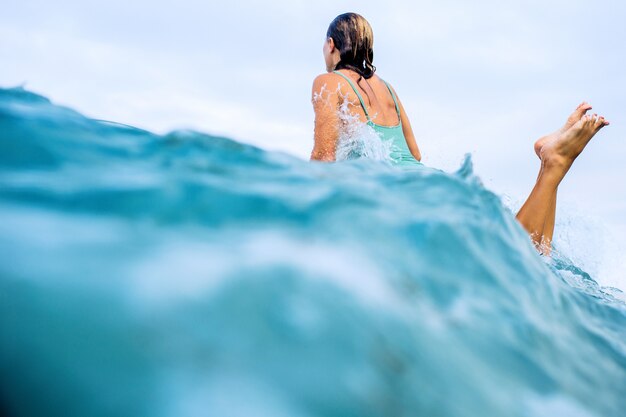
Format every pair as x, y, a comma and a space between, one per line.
348, 52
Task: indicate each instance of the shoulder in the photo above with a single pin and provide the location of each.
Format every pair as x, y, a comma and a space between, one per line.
325, 79
383, 81
393, 90
326, 86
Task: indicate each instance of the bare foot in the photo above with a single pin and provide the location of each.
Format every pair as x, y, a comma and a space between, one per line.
571, 120
568, 145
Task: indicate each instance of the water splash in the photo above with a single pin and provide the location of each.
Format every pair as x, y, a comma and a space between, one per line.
356, 138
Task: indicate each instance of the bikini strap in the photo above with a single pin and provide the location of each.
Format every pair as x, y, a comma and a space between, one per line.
357, 93
393, 96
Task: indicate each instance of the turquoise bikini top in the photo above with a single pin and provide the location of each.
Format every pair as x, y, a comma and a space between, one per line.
400, 153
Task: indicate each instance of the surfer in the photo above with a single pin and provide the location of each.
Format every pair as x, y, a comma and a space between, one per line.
348, 53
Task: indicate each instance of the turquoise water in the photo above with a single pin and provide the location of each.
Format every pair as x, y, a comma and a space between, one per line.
191, 275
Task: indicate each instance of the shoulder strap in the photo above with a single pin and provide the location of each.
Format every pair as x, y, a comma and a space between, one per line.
393, 96
357, 93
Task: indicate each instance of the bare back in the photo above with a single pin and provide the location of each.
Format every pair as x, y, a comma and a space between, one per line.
375, 94
331, 90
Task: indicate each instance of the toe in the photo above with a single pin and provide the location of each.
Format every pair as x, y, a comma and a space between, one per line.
595, 124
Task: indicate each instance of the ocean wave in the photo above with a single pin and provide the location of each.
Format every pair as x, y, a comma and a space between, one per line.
186, 274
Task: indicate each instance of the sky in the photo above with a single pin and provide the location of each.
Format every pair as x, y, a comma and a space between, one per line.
484, 77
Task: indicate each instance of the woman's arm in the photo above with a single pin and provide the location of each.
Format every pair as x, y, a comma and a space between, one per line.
325, 101
408, 131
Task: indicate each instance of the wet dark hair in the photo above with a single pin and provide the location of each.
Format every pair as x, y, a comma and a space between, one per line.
354, 38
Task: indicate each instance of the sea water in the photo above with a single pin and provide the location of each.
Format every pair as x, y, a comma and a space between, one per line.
191, 275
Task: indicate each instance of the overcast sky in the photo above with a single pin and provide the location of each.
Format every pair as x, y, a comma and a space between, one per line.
486, 77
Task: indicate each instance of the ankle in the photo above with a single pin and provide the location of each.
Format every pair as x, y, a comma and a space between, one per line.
554, 161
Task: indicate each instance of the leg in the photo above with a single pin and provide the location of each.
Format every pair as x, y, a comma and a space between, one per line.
547, 231
537, 209
557, 156
548, 228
